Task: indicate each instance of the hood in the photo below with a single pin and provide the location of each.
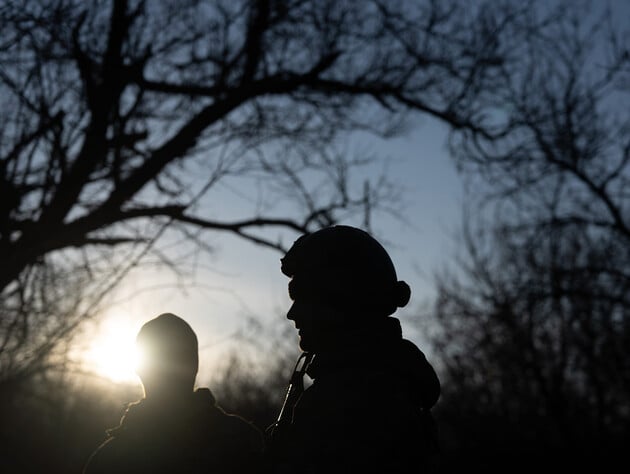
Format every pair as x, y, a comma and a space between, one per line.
383, 349
149, 416
411, 365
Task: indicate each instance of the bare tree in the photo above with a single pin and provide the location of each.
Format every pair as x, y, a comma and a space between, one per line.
533, 329
561, 121
121, 118
533, 323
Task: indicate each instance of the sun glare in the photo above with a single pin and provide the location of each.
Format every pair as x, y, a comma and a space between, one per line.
112, 353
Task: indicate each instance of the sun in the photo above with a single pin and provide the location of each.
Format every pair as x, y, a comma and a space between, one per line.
112, 353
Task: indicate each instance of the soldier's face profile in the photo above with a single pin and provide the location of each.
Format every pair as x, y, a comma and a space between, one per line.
303, 315
317, 323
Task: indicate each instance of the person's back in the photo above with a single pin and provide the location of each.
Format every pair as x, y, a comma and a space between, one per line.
192, 437
175, 429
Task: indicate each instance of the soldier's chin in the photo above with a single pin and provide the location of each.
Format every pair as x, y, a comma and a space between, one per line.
305, 344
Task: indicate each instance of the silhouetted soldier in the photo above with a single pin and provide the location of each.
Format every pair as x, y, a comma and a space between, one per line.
367, 409
175, 429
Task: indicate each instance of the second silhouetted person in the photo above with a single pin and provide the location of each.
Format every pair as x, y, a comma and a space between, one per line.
175, 428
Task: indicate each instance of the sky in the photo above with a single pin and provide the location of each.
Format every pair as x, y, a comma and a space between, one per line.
241, 280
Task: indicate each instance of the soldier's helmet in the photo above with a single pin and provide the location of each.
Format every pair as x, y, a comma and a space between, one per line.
348, 268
